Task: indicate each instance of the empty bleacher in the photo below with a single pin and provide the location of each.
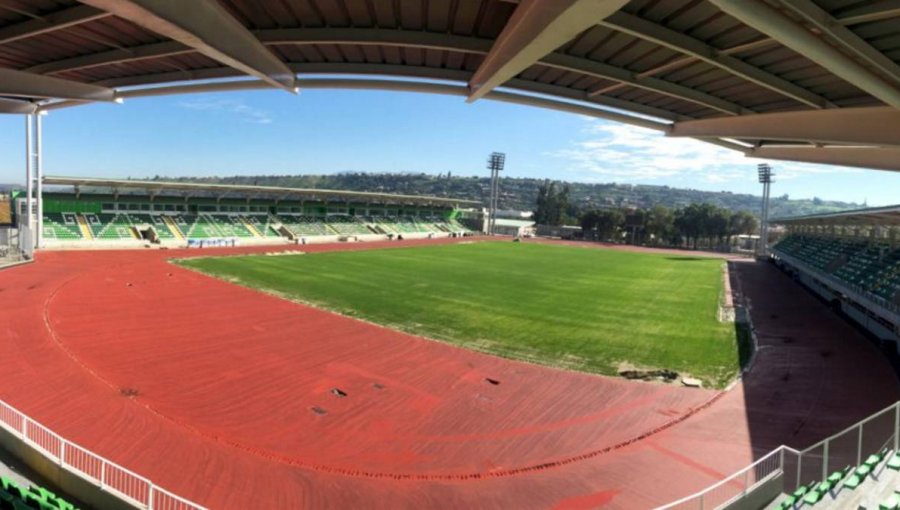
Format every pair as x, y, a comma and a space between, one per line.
348, 225
18, 497
62, 226
870, 267
873, 484
302, 226
130, 225
263, 223
111, 226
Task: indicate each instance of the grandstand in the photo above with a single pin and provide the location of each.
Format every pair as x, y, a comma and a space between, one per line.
118, 360
81, 212
852, 260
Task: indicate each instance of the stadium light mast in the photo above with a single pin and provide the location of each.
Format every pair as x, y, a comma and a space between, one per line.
765, 178
495, 165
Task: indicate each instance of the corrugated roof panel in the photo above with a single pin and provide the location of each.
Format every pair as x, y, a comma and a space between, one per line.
392, 55
434, 58
465, 18
412, 16
438, 15
360, 13
333, 12
587, 41
454, 60
413, 56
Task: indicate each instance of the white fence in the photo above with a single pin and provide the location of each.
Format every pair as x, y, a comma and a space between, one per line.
106, 475
737, 485
848, 447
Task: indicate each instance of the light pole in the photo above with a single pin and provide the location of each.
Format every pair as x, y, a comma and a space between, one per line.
495, 165
765, 178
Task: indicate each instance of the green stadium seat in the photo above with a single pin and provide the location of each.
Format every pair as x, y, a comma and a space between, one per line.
787, 503
892, 503
814, 496
894, 462
856, 478
837, 476
872, 460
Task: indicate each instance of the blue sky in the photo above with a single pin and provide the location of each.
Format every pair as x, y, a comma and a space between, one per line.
323, 131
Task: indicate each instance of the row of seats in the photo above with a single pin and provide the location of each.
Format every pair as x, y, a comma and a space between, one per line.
873, 267
849, 478
65, 226
16, 497
60, 226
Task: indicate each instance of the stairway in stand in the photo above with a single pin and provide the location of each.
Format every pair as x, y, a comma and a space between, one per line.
84, 228
173, 228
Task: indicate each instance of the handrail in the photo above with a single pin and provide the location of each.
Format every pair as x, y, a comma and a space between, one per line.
734, 476
700, 495
892, 407
105, 474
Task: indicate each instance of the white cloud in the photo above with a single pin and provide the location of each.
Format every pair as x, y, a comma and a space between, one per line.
247, 113
624, 153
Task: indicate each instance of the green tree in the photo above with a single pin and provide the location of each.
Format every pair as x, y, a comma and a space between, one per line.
659, 224
602, 224
551, 204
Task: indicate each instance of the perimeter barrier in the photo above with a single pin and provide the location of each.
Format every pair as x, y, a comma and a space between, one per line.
795, 468
106, 475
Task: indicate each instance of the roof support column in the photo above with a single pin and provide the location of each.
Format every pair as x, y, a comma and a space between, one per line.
29, 183
39, 173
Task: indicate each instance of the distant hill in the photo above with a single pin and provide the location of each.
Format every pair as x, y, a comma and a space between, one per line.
520, 193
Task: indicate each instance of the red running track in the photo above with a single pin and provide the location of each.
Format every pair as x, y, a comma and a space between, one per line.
228, 382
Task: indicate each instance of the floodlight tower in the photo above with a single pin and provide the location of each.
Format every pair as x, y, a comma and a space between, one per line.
765, 178
495, 165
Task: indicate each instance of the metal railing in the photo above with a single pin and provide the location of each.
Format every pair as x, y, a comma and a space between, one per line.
847, 448
106, 475
737, 485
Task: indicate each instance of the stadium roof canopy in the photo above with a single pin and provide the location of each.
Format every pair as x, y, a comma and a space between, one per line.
154, 188
872, 216
806, 80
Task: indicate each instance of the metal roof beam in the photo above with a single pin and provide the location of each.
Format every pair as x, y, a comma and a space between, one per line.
392, 70
536, 28
53, 21
677, 41
878, 158
16, 106
626, 77
865, 126
117, 56
362, 36
22, 84
207, 27
410, 39
851, 42
870, 11
874, 11
773, 23
391, 85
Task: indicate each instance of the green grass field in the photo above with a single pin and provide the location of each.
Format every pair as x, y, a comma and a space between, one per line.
585, 309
